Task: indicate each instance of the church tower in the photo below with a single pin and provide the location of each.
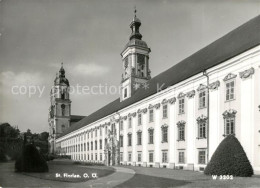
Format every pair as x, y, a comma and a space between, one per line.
135, 58
60, 109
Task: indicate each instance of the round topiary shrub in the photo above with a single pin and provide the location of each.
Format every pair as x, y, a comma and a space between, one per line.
229, 159
31, 160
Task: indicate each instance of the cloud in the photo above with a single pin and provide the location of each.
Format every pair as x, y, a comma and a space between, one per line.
9, 78
90, 69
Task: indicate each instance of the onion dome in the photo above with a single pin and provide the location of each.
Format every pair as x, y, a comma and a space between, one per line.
135, 38
61, 79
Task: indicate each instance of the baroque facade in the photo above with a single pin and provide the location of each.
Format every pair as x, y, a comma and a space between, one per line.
178, 118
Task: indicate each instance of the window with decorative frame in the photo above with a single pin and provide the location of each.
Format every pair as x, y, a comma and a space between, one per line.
139, 156
121, 125
202, 127
96, 133
181, 157
139, 137
165, 111
100, 144
230, 90
181, 130
202, 98
151, 156
229, 122
129, 139
164, 156
150, 134
91, 145
139, 119
129, 122
202, 156
100, 156
88, 146
129, 156
121, 140
95, 145
181, 105
164, 133
100, 131
151, 115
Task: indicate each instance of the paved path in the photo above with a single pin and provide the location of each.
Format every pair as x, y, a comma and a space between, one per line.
8, 178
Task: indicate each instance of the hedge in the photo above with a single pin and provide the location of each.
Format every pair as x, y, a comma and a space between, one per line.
229, 159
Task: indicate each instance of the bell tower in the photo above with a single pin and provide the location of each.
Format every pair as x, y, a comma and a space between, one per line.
60, 109
135, 58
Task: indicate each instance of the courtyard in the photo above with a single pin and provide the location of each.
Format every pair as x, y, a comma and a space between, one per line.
74, 175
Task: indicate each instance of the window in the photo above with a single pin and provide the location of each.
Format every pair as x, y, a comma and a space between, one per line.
96, 133
150, 132
121, 141
100, 156
63, 109
202, 130
202, 126
140, 119
164, 133
202, 157
229, 122
91, 134
96, 156
88, 135
230, 92
151, 157
181, 130
164, 156
91, 156
139, 156
139, 138
129, 156
181, 157
129, 122
229, 126
105, 141
181, 106
95, 145
100, 131
165, 111
121, 156
129, 139
121, 125
100, 144
106, 129
84, 146
91, 145
151, 115
125, 93
202, 99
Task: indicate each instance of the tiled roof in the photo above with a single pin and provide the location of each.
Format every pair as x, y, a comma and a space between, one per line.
237, 41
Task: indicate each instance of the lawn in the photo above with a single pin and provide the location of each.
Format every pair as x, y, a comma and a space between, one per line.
67, 171
161, 177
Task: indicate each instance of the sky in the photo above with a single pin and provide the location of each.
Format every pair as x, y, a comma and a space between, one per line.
88, 37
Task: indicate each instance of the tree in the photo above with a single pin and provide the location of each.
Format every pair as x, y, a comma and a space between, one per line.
31, 160
229, 159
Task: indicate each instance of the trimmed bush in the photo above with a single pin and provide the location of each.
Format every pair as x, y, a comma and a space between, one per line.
31, 160
229, 159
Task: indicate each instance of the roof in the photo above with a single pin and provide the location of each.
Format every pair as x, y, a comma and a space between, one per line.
76, 118
237, 41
